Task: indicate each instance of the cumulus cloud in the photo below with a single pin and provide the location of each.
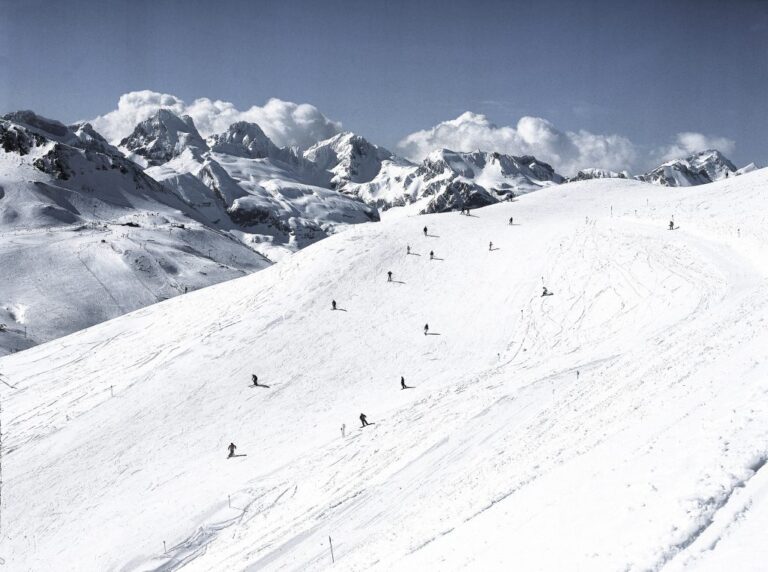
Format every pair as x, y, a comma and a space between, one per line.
689, 142
286, 123
566, 151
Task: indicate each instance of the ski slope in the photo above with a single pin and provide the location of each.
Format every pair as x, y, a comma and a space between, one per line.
500, 457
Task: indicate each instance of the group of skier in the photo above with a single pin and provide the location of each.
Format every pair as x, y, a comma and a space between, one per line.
363, 418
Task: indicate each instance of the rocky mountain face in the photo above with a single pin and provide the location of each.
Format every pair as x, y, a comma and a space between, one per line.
592, 173
697, 169
447, 180
162, 137
348, 158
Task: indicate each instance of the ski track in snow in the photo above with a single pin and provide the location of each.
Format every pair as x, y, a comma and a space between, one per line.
653, 459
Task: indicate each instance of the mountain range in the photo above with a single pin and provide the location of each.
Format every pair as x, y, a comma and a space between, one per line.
165, 210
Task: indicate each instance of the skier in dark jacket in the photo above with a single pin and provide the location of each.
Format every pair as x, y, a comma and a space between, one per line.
546, 292
389, 276
671, 225
363, 420
511, 219
431, 254
426, 329
333, 304
231, 448
255, 379
425, 231
402, 383
490, 246
408, 249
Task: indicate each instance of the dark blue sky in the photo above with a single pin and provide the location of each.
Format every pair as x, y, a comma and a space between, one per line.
645, 70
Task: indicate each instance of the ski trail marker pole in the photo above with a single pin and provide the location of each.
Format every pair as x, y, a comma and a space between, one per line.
330, 542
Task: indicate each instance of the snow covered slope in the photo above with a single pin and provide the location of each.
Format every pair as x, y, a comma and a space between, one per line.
620, 424
86, 236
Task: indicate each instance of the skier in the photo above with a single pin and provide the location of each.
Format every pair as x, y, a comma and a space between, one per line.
256, 383
425, 231
402, 383
408, 249
431, 254
426, 329
231, 448
511, 219
490, 246
363, 420
546, 292
343, 429
389, 276
671, 225
577, 375
333, 304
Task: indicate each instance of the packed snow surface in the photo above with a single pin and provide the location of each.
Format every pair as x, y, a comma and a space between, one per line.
619, 424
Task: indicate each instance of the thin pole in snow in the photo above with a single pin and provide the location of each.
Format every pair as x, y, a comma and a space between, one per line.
112, 390
229, 500
333, 560
165, 550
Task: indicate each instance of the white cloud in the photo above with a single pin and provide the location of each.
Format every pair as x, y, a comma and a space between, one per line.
566, 151
689, 142
284, 122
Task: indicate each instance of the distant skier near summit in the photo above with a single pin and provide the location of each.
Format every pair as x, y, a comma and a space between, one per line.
431, 254
511, 221
333, 304
546, 292
426, 329
389, 276
408, 249
425, 231
490, 246
363, 420
402, 383
671, 225
231, 448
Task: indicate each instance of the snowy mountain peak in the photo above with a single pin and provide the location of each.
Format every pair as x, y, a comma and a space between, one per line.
163, 136
593, 173
244, 139
713, 162
697, 169
81, 135
349, 158
449, 180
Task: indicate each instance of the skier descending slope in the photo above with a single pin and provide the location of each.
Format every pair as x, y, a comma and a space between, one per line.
431, 254
333, 304
402, 383
426, 329
511, 221
545, 292
389, 276
363, 420
408, 249
231, 448
425, 231
490, 246
255, 379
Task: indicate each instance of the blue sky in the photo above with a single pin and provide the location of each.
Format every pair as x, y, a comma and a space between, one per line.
644, 70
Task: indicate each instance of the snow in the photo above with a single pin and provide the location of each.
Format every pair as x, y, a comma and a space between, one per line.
500, 458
